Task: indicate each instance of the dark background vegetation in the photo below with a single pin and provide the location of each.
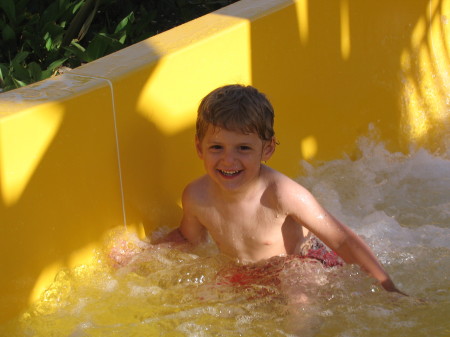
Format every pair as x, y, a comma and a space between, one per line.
41, 38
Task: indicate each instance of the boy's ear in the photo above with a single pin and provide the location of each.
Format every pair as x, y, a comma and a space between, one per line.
198, 147
268, 149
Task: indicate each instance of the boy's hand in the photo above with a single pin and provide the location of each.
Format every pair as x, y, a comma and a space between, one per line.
174, 237
388, 285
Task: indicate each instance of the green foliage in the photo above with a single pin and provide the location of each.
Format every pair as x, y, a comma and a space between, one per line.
39, 38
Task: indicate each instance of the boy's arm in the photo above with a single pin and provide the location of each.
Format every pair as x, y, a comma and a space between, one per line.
174, 236
306, 210
190, 229
354, 250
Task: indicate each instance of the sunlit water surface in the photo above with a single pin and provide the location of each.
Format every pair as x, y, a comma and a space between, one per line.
399, 203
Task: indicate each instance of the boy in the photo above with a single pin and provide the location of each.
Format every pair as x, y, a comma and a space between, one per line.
251, 211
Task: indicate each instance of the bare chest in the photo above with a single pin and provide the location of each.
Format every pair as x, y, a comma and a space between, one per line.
251, 232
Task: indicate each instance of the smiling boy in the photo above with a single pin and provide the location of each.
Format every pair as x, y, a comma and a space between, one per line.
251, 211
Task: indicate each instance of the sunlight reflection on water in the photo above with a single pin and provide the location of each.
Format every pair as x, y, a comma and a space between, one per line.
399, 203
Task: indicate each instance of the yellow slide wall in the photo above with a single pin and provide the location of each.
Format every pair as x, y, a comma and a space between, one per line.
111, 142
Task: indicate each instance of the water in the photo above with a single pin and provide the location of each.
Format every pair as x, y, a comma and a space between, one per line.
399, 203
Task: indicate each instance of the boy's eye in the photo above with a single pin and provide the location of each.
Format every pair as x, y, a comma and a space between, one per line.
215, 147
244, 148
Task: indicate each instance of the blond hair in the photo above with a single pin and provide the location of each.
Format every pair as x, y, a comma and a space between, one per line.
236, 108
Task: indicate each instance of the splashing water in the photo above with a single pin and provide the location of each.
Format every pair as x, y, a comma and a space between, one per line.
399, 203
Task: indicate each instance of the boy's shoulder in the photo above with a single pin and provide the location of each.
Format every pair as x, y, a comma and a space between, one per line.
196, 189
276, 179
199, 182
282, 187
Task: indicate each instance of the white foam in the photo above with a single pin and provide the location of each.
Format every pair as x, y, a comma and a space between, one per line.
393, 199
399, 203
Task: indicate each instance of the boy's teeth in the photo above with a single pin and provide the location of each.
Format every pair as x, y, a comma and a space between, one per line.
228, 173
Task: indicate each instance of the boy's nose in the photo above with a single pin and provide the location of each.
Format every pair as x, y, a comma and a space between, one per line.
228, 158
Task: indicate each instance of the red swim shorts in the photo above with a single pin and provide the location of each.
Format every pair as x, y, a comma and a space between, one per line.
266, 273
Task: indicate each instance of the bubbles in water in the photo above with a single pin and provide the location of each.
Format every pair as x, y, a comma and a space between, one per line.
399, 203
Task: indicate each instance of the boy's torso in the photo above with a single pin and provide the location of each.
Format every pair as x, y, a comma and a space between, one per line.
251, 228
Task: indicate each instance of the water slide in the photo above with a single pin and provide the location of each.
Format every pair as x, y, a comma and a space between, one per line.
111, 143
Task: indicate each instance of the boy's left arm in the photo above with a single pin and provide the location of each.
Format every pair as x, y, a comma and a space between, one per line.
306, 210
353, 249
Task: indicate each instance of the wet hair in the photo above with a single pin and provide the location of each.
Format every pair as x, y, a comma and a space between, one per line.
236, 108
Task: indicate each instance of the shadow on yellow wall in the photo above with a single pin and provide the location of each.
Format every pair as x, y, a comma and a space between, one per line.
343, 67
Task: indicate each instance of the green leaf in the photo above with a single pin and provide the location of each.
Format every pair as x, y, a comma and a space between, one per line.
46, 73
102, 45
53, 36
35, 71
56, 64
84, 29
18, 83
96, 48
4, 71
81, 22
8, 33
129, 19
50, 14
20, 57
10, 9
78, 46
19, 71
123, 38
77, 6
76, 50
48, 43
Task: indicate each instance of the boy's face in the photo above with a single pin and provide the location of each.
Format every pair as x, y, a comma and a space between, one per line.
233, 159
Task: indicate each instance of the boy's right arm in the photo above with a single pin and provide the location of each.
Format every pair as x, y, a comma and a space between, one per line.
190, 229
174, 236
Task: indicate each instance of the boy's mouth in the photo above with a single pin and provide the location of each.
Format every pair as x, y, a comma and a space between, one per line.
229, 173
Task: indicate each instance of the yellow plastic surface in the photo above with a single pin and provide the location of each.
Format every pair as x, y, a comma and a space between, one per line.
111, 142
